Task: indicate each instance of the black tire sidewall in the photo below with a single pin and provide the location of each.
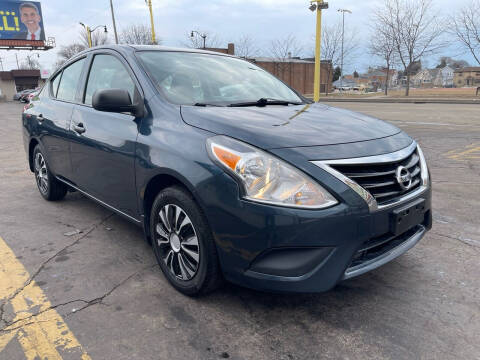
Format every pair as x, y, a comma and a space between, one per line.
37, 150
181, 198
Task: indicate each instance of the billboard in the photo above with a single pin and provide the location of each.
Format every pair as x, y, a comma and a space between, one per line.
21, 20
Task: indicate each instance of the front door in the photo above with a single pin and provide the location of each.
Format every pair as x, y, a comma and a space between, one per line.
102, 151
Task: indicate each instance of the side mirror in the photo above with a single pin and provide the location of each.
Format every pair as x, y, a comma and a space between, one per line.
116, 100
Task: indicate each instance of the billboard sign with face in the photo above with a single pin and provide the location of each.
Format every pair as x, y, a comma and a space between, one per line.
21, 20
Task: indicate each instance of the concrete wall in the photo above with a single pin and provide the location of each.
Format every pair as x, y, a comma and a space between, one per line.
8, 89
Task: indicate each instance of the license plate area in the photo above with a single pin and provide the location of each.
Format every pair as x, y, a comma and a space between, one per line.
407, 217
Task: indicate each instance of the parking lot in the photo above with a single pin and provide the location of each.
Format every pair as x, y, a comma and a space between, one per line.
78, 282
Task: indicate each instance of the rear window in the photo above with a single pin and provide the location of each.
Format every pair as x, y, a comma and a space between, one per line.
69, 81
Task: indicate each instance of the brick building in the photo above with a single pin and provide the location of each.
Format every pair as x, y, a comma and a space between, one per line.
298, 73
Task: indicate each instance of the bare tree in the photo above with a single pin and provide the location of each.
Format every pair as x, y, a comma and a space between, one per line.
245, 47
283, 49
139, 34
416, 30
465, 25
196, 41
382, 45
68, 51
30, 64
332, 46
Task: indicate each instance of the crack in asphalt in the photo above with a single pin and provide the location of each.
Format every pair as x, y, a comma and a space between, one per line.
42, 266
88, 303
469, 242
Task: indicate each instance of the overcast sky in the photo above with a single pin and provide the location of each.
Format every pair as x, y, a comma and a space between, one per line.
262, 20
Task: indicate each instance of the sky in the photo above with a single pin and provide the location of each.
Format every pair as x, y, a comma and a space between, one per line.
262, 20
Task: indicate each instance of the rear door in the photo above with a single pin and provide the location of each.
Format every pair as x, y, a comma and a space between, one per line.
54, 113
103, 148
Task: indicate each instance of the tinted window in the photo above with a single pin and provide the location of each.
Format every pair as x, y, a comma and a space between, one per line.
69, 81
54, 84
187, 78
107, 72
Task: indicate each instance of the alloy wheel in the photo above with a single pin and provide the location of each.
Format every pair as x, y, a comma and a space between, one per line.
178, 242
41, 173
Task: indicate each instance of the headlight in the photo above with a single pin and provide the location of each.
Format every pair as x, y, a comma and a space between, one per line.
423, 167
265, 178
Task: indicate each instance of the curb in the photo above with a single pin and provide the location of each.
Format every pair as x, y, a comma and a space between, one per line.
404, 101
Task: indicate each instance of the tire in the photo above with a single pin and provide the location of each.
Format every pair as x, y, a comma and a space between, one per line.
50, 188
180, 237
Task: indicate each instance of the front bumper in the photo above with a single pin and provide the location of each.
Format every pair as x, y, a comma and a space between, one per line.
264, 247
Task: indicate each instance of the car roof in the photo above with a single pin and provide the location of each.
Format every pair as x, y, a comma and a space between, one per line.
123, 48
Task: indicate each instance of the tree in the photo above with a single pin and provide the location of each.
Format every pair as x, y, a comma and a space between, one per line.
355, 74
453, 63
416, 29
196, 41
465, 25
30, 64
382, 45
138, 34
68, 51
283, 49
245, 47
337, 73
332, 46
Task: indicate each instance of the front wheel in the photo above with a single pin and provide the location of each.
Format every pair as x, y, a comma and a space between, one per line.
183, 243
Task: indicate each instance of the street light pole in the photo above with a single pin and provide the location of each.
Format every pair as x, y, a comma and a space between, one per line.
149, 3
114, 24
318, 5
203, 36
90, 31
343, 11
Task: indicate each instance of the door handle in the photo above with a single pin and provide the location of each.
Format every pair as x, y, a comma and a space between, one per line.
79, 128
40, 118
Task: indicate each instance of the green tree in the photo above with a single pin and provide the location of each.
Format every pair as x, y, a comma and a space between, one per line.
337, 73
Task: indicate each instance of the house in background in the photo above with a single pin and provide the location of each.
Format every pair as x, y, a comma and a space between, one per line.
446, 74
468, 76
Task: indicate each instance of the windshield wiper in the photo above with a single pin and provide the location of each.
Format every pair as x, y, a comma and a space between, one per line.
264, 102
206, 104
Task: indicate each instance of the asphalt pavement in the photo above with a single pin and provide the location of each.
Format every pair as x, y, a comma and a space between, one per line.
78, 282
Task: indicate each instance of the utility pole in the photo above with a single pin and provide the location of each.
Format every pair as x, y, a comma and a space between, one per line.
343, 11
1, 63
318, 5
18, 65
114, 24
149, 3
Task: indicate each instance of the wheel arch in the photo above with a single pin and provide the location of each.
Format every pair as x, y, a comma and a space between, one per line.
156, 184
31, 146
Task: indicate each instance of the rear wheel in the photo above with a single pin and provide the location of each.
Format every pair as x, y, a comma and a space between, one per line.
183, 243
50, 188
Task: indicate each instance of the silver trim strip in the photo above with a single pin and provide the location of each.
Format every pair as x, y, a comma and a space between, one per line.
99, 201
384, 258
377, 159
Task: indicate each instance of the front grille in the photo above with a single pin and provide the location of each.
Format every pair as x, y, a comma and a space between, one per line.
380, 179
373, 248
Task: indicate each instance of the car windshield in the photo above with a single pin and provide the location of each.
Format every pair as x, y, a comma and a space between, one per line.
194, 78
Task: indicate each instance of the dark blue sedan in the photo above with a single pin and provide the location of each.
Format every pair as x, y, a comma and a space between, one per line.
232, 174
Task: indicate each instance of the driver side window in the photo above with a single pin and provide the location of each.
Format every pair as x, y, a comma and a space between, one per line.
107, 72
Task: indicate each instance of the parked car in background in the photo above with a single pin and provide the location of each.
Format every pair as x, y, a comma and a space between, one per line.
230, 173
19, 95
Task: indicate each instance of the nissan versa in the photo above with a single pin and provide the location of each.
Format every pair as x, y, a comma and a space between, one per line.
232, 174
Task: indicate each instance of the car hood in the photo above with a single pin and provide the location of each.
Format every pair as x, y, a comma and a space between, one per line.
277, 126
